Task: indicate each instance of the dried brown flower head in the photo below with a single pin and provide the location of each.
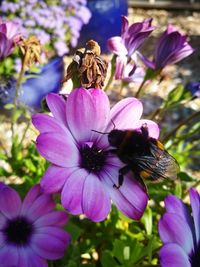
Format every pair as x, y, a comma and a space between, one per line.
88, 66
31, 50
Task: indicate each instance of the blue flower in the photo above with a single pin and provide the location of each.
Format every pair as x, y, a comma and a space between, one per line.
34, 89
180, 232
194, 88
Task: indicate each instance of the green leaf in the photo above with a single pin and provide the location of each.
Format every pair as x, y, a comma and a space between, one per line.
107, 259
74, 230
178, 190
185, 177
118, 250
147, 220
9, 106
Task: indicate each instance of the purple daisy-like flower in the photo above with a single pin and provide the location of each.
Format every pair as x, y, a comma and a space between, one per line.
9, 37
171, 48
125, 46
82, 169
30, 232
131, 37
180, 232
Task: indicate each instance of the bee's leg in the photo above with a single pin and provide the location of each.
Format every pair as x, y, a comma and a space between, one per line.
122, 172
140, 180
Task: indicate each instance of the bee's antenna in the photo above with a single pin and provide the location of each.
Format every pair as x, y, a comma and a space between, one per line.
99, 132
113, 124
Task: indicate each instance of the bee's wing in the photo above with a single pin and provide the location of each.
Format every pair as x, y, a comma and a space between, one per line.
160, 165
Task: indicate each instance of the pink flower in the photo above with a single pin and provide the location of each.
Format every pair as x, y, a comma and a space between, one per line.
30, 232
82, 169
9, 37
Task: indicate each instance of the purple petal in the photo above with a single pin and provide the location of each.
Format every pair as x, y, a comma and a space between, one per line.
72, 193
2, 240
47, 247
58, 148
126, 113
54, 178
3, 45
42, 205
153, 128
28, 258
116, 46
175, 205
3, 220
150, 64
10, 202
172, 255
30, 198
102, 108
56, 232
174, 229
120, 65
9, 256
81, 105
45, 123
12, 29
130, 198
54, 218
57, 106
96, 201
195, 203
124, 26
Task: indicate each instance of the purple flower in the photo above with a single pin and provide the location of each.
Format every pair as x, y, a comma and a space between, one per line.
132, 73
171, 47
194, 88
129, 73
82, 169
131, 37
125, 46
30, 232
180, 232
9, 37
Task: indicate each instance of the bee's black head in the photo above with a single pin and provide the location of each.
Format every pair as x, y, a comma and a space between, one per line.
115, 137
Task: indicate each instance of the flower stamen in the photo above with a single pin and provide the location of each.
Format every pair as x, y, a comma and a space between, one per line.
18, 231
92, 158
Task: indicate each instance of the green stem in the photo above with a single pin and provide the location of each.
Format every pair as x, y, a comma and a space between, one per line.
4, 149
24, 133
19, 81
139, 91
183, 122
113, 61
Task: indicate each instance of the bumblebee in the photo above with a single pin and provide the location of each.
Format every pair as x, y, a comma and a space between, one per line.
145, 156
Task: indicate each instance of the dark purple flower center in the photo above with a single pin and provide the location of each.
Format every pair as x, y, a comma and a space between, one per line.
92, 158
195, 258
18, 231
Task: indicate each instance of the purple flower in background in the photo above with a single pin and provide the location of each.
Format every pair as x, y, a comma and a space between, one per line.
82, 169
31, 232
171, 47
180, 232
9, 37
130, 73
194, 88
131, 37
125, 46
